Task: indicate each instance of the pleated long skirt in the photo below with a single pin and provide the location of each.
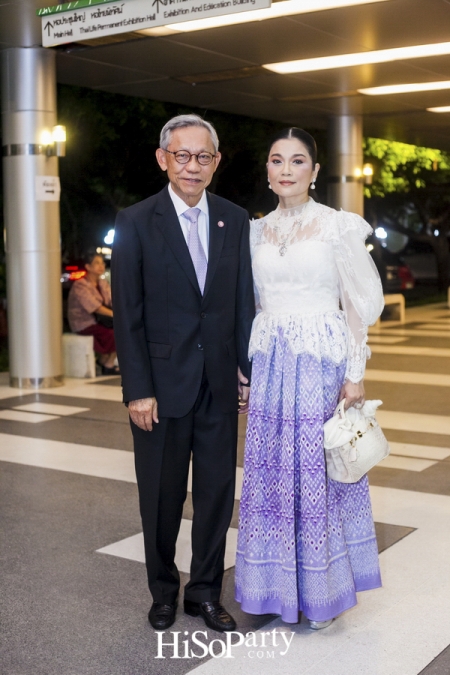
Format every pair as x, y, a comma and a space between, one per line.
306, 543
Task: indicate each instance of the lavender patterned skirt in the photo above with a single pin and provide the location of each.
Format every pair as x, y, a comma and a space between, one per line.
306, 543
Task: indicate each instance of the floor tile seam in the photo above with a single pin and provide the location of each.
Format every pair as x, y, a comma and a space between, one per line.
409, 412
410, 373
64, 442
338, 650
429, 668
357, 631
434, 352
396, 372
77, 416
408, 333
390, 497
57, 393
70, 473
95, 419
408, 465
52, 415
410, 383
374, 483
412, 529
426, 459
71, 442
58, 397
381, 484
415, 434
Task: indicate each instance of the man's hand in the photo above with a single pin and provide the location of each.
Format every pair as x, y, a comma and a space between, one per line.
244, 393
143, 412
353, 393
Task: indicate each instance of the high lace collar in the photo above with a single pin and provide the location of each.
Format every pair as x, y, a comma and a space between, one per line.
294, 210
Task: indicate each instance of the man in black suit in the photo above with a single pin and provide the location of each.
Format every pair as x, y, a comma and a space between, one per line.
183, 308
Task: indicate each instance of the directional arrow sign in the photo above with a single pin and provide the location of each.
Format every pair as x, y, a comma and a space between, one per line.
112, 18
47, 188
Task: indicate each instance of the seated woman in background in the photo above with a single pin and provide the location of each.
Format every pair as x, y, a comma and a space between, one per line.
88, 297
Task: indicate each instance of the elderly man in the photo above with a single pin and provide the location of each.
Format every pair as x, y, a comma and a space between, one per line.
183, 308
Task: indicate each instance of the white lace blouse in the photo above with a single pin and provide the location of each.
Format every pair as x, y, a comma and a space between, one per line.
316, 281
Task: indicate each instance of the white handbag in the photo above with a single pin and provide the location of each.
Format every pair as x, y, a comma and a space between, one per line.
354, 442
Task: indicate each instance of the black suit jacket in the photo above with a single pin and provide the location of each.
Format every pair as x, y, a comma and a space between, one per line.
166, 331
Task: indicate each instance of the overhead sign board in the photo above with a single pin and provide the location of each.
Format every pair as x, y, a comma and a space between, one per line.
88, 19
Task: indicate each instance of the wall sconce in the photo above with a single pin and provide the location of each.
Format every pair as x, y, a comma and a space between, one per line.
364, 175
367, 172
54, 142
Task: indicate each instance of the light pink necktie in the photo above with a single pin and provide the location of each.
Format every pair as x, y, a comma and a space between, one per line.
195, 247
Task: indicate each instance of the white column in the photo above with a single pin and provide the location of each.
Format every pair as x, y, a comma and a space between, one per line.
33, 256
345, 160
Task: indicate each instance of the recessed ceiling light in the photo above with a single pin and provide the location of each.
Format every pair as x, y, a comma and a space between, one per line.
278, 9
405, 88
360, 58
441, 109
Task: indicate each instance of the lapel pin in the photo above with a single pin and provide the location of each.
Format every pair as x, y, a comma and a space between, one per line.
221, 223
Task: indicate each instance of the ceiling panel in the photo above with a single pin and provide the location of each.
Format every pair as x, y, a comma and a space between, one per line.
351, 29
82, 71
384, 25
378, 74
263, 41
330, 83
180, 92
162, 57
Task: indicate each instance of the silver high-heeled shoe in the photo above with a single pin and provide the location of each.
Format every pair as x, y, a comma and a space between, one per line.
318, 625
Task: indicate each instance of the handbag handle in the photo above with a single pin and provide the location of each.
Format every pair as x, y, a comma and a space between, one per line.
368, 410
340, 409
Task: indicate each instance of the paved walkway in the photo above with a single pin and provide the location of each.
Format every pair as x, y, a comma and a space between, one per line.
74, 598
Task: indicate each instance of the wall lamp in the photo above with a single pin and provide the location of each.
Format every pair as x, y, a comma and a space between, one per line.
367, 172
364, 175
54, 141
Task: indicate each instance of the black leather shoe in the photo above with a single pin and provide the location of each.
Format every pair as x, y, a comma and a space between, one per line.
162, 616
214, 615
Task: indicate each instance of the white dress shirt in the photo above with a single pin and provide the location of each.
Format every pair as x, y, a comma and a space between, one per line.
185, 224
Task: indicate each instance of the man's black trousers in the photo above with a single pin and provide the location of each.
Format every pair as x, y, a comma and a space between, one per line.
162, 459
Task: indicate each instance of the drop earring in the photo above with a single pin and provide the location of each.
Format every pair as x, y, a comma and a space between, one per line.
269, 186
313, 185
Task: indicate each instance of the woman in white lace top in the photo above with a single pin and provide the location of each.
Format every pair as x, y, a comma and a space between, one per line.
306, 543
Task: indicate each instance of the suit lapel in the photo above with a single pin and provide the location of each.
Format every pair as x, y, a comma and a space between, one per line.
168, 223
216, 239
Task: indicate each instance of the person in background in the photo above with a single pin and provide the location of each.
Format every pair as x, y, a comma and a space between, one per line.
89, 311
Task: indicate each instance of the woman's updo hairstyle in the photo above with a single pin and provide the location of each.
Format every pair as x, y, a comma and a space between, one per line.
302, 136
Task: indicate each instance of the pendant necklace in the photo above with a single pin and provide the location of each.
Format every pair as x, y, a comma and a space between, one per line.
284, 243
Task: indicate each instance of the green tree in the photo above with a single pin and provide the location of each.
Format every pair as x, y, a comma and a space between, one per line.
411, 190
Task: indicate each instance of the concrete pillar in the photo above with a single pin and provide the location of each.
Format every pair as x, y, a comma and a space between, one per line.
345, 162
33, 256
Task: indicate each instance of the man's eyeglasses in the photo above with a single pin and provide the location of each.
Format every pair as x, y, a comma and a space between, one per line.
184, 157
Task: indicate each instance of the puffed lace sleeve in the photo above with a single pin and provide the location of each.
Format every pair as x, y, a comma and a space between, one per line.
360, 290
256, 229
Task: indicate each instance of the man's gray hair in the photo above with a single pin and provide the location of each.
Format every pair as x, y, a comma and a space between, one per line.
183, 121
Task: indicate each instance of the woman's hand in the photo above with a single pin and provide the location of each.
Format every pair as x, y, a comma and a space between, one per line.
244, 393
353, 393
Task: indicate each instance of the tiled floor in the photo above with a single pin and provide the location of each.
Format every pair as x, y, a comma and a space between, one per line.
74, 597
